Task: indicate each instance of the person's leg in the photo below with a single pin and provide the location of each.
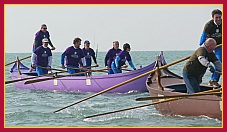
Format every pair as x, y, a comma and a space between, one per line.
70, 69
45, 71
110, 71
191, 83
215, 77
39, 71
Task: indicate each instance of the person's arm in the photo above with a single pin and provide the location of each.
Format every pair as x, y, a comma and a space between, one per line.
203, 38
205, 33
117, 61
131, 64
63, 59
35, 44
48, 37
83, 62
218, 64
107, 57
49, 61
50, 43
94, 58
204, 61
33, 59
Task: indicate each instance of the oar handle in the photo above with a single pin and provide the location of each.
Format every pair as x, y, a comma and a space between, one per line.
84, 68
52, 69
16, 60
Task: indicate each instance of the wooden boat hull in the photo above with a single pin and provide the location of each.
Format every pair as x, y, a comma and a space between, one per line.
80, 83
207, 105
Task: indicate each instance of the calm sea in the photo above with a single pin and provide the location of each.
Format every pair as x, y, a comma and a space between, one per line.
34, 108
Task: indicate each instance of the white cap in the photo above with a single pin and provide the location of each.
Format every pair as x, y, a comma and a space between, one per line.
45, 40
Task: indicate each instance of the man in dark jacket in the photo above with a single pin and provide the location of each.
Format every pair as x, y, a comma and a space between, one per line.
196, 66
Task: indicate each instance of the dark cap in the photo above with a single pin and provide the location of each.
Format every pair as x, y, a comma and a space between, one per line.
86, 42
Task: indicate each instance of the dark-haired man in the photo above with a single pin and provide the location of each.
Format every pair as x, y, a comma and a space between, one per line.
74, 57
213, 29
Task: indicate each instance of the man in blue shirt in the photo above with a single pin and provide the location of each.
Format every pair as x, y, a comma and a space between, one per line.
121, 59
74, 57
42, 58
110, 55
213, 29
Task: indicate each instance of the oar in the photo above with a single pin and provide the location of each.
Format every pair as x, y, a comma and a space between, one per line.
153, 103
52, 69
22, 79
126, 69
46, 79
123, 83
177, 96
85, 69
16, 60
218, 45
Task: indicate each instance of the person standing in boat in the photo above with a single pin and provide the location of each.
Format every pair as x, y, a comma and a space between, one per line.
110, 55
40, 35
42, 58
74, 57
196, 66
88, 53
213, 29
121, 58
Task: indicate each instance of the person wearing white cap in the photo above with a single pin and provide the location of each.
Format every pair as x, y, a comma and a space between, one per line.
42, 58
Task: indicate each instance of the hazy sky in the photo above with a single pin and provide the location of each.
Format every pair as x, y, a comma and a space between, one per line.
144, 27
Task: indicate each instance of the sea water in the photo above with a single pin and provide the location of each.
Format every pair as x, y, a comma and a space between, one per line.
34, 108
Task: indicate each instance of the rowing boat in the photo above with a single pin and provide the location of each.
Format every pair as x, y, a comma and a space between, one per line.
165, 83
94, 83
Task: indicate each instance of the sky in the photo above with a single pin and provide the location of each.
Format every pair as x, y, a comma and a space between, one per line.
144, 27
